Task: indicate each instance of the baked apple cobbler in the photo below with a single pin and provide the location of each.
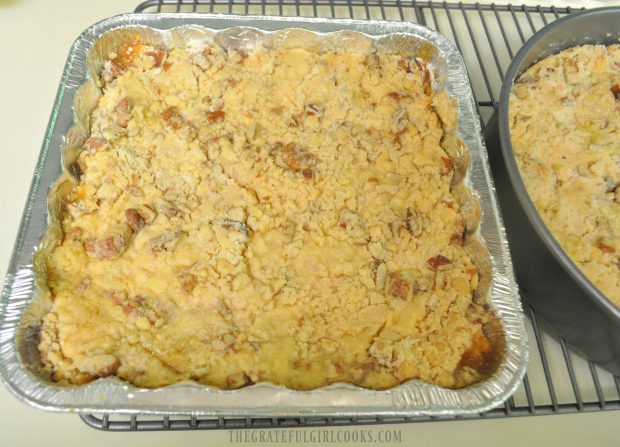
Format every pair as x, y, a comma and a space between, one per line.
565, 126
281, 215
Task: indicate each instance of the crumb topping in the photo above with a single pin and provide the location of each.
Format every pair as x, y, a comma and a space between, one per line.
565, 131
276, 215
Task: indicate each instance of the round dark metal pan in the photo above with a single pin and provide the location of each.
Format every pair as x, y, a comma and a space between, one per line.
551, 282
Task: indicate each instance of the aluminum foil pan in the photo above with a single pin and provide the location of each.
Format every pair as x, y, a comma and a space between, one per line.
25, 298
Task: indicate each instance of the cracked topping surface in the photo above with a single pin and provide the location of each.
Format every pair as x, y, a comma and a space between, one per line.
565, 131
280, 215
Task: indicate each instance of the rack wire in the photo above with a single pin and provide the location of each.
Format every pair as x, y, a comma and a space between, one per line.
558, 380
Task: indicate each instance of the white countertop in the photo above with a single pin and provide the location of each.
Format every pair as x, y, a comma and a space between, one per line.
35, 37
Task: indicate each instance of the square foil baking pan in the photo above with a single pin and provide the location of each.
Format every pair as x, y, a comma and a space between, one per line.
20, 308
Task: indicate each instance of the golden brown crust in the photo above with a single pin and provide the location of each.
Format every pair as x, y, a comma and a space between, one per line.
565, 131
282, 216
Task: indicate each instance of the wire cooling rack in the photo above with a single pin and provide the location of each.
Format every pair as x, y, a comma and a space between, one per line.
558, 380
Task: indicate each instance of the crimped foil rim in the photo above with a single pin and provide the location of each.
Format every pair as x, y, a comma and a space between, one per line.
412, 398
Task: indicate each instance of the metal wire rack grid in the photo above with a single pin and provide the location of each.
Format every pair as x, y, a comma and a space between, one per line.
558, 380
